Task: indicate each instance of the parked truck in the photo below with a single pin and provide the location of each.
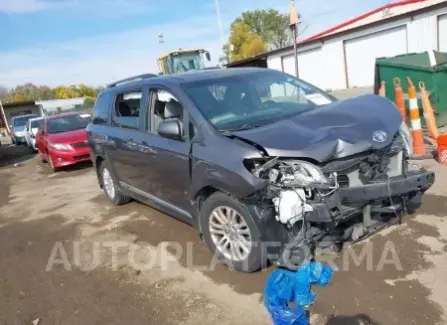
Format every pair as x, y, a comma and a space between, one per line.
182, 61
10, 110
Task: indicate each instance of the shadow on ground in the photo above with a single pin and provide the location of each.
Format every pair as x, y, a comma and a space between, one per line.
56, 295
11, 154
351, 320
67, 171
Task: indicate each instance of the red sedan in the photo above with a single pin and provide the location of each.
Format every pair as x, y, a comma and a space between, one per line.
62, 141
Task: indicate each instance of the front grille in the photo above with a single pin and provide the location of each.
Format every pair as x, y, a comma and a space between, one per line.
370, 166
80, 144
83, 157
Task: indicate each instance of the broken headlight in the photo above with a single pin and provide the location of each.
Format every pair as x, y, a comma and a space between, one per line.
298, 173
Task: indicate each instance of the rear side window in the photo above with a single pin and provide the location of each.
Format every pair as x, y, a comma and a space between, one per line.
126, 110
101, 108
36, 124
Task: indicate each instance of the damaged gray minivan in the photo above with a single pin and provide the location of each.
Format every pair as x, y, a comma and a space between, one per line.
266, 166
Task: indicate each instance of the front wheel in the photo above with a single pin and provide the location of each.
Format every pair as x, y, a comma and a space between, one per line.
109, 185
230, 233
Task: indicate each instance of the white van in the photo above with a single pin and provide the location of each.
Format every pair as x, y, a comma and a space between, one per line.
31, 129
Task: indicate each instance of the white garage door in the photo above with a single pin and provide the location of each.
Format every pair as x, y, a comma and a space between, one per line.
309, 65
361, 53
442, 28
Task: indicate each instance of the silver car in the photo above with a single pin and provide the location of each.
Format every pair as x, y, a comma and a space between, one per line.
31, 128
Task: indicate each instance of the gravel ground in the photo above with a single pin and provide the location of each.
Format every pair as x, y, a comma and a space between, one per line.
69, 257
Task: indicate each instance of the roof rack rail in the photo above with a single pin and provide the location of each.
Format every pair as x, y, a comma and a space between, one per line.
134, 78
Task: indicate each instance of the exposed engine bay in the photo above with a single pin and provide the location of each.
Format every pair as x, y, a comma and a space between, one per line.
338, 202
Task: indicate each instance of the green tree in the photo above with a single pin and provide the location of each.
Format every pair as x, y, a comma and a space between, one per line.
26, 91
63, 92
30, 91
19, 97
270, 24
86, 91
245, 42
88, 102
5, 95
46, 93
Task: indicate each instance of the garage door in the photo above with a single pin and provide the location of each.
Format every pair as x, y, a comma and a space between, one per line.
361, 53
442, 28
310, 66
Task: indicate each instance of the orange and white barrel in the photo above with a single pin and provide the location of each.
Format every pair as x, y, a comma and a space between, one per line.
415, 120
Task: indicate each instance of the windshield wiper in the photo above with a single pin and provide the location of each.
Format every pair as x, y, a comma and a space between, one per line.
242, 128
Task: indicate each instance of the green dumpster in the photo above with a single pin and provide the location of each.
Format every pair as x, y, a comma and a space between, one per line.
418, 67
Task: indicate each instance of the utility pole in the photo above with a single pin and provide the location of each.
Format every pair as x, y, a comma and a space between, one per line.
219, 21
294, 26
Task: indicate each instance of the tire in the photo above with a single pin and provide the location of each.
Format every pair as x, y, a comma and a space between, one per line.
42, 159
115, 196
224, 204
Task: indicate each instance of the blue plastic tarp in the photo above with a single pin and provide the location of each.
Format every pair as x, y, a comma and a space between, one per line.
285, 287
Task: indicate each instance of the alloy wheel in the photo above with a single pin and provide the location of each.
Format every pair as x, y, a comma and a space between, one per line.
230, 233
108, 183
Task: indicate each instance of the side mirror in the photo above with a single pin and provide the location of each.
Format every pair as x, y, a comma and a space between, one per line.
171, 129
208, 56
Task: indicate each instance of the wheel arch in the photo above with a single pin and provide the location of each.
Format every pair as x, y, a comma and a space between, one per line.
205, 192
201, 196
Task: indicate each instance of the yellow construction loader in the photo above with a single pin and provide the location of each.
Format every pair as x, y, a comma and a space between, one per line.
182, 60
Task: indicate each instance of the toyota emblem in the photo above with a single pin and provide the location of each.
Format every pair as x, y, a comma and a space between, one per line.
379, 136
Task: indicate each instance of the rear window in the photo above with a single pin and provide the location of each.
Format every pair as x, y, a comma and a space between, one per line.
21, 121
36, 124
68, 123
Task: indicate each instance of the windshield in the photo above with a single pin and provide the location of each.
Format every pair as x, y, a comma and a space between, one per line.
21, 121
184, 62
68, 123
254, 99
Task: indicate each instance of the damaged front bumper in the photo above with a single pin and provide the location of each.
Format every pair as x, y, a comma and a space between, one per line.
347, 201
334, 204
353, 213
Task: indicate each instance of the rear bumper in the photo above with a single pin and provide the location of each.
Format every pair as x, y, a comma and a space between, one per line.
62, 158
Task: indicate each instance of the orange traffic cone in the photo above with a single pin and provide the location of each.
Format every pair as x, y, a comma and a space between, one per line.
418, 139
382, 89
428, 113
400, 100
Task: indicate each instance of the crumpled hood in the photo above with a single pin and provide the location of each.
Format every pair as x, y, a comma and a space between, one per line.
337, 130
